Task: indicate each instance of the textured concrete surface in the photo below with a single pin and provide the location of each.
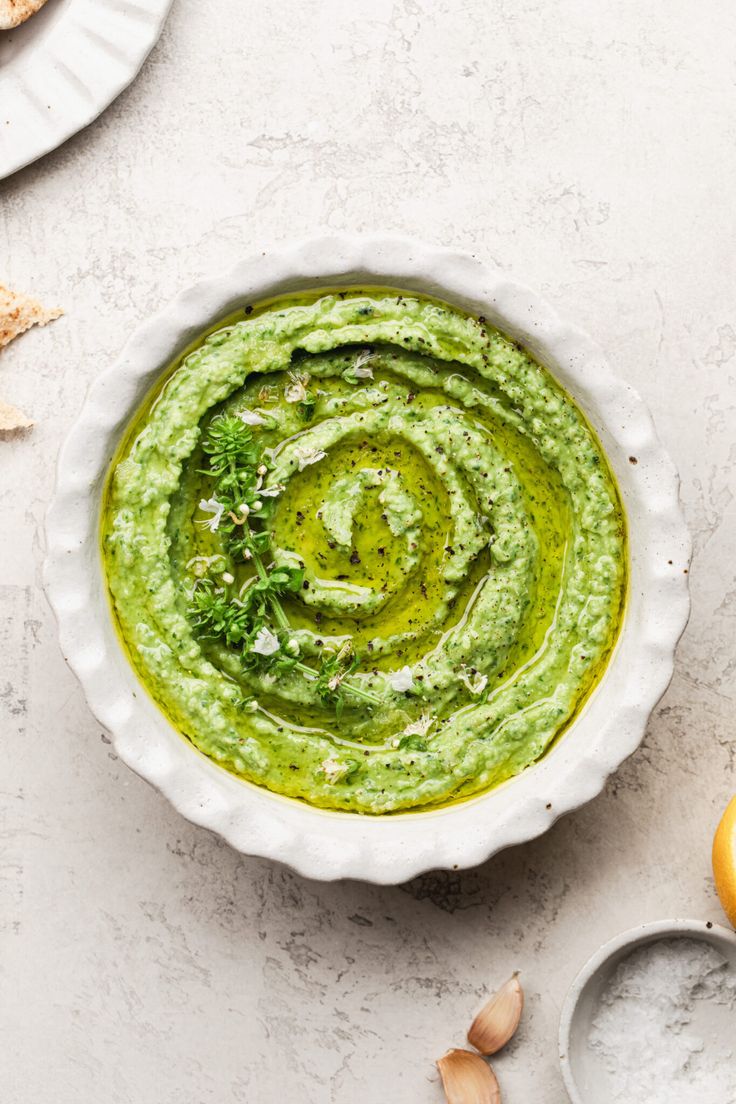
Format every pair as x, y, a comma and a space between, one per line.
587, 148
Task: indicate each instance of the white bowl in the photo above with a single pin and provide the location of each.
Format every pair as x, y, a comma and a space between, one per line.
319, 843
580, 1071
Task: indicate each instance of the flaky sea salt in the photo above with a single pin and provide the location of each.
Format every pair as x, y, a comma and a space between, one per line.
664, 1028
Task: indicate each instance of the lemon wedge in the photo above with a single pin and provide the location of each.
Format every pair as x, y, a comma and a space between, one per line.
724, 861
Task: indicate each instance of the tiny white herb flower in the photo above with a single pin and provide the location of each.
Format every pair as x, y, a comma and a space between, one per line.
401, 680
307, 456
212, 506
227, 577
257, 505
475, 684
293, 647
202, 565
359, 369
296, 391
421, 726
252, 418
354, 375
363, 358
271, 492
265, 643
333, 769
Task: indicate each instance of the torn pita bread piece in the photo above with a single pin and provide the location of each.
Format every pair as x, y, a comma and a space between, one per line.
14, 12
12, 419
19, 312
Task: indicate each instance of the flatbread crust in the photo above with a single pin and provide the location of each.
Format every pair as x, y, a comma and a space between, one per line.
14, 12
19, 312
12, 419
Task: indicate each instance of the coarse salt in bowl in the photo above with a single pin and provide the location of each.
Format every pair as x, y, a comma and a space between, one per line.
650, 1018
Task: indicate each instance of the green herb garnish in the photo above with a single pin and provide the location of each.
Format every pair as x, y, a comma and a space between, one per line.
254, 620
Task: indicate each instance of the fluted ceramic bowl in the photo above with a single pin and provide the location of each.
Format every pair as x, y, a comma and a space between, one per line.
316, 842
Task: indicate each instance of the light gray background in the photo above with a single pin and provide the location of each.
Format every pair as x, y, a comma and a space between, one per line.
587, 148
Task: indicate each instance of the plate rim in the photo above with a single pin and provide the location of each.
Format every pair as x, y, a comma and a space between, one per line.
51, 66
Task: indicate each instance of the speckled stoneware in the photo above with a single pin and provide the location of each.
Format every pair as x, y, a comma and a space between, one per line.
324, 844
579, 1070
64, 66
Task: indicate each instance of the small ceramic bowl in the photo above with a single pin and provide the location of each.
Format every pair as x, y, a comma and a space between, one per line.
317, 842
580, 1066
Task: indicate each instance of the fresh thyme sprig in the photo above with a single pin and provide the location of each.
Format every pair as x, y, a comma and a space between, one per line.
238, 469
217, 614
247, 621
229, 445
214, 615
244, 623
334, 671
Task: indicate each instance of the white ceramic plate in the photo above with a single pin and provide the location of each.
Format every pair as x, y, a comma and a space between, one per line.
323, 844
64, 66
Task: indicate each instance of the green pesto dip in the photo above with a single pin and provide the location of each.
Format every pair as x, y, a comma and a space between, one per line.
363, 550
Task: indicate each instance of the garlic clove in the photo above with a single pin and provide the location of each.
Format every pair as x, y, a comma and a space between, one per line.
467, 1079
498, 1019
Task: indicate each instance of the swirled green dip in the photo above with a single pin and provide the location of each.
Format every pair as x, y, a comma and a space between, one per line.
450, 532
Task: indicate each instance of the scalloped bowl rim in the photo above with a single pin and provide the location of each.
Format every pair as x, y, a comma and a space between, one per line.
319, 843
